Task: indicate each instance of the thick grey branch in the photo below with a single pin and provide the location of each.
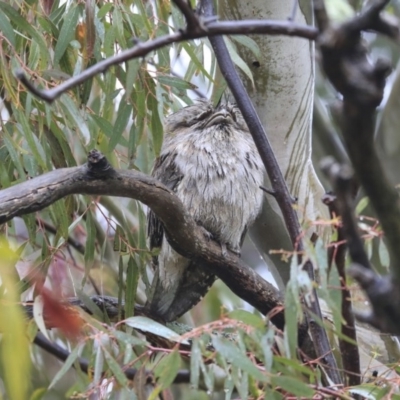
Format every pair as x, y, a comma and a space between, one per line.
98, 178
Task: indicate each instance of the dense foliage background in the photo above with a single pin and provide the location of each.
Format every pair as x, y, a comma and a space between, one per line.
82, 246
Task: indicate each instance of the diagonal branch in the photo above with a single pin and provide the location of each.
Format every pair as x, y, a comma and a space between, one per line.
97, 177
280, 189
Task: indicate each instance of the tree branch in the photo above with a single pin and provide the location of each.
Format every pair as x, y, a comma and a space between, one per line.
280, 190
383, 292
207, 28
348, 350
345, 61
97, 177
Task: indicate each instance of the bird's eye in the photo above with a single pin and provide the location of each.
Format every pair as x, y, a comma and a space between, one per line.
208, 111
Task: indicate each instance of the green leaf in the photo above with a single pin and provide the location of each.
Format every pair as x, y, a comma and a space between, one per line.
231, 352
118, 26
168, 368
115, 368
33, 142
23, 26
237, 60
7, 29
195, 359
39, 394
74, 115
362, 205
67, 33
132, 280
133, 67
371, 391
123, 116
129, 338
291, 308
60, 217
156, 125
98, 366
67, 364
90, 244
293, 386
195, 60
339, 10
104, 125
384, 257
147, 325
267, 344
247, 318
11, 145
176, 82
14, 344
249, 43
104, 10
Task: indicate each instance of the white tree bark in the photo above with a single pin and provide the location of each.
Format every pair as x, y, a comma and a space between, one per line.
283, 96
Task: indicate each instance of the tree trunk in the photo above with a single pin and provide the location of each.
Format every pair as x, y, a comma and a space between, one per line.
283, 95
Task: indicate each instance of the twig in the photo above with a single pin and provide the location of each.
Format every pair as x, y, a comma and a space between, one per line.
281, 192
210, 28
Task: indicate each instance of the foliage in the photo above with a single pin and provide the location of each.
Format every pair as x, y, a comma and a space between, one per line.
81, 246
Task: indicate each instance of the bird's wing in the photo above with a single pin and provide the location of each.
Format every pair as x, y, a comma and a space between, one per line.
168, 274
166, 171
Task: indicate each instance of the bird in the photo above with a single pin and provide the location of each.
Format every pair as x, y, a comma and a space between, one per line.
209, 160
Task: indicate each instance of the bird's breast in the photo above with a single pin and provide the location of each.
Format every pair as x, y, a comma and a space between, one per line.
220, 185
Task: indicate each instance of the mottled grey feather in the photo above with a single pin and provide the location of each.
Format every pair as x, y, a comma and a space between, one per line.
209, 160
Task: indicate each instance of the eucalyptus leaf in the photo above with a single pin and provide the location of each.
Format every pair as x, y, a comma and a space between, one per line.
145, 324
67, 33
228, 350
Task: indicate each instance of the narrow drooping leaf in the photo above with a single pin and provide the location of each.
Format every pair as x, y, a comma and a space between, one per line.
145, 324
67, 33
168, 368
123, 116
115, 368
7, 29
293, 386
132, 280
231, 352
67, 364
90, 244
